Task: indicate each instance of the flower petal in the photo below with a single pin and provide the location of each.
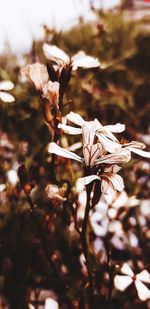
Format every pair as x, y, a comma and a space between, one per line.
54, 148
120, 156
126, 269
142, 290
108, 144
6, 97
36, 74
88, 179
116, 128
122, 282
75, 118
140, 152
84, 61
70, 130
143, 276
51, 303
6, 85
53, 53
106, 187
113, 180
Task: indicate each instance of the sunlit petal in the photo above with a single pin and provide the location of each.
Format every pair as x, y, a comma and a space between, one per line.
126, 269
114, 180
53, 53
50, 303
140, 152
6, 97
142, 290
75, 118
84, 61
122, 282
144, 276
108, 144
121, 156
54, 148
70, 130
116, 128
88, 179
6, 85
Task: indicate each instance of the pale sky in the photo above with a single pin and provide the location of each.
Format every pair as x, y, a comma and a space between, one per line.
21, 20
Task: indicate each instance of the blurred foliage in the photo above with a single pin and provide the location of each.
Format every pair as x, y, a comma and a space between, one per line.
118, 92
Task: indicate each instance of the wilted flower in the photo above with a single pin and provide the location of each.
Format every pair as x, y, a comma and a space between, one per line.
122, 282
51, 92
61, 59
4, 96
36, 75
54, 194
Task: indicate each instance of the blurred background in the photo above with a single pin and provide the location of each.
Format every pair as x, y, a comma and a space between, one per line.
118, 33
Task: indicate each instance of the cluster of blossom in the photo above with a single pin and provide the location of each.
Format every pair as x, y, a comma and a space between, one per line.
102, 150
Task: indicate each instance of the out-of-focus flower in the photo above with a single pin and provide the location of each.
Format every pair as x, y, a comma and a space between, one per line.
122, 282
4, 87
36, 75
50, 303
54, 194
61, 59
51, 92
12, 177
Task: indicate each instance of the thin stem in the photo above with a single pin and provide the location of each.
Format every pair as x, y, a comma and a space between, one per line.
85, 247
60, 286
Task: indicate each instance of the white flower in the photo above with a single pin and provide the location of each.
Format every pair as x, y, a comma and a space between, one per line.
122, 282
110, 181
94, 129
36, 75
121, 156
4, 96
58, 56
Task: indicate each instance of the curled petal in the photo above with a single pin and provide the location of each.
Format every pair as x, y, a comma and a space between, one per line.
54, 148
70, 130
88, 179
143, 276
142, 290
126, 269
135, 144
37, 75
116, 128
122, 282
53, 53
75, 118
6, 97
84, 61
6, 85
121, 156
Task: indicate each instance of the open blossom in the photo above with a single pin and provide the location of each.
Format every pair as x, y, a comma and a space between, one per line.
94, 129
110, 180
61, 59
4, 87
128, 277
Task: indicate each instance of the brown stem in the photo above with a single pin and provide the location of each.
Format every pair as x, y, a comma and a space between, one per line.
85, 247
60, 286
